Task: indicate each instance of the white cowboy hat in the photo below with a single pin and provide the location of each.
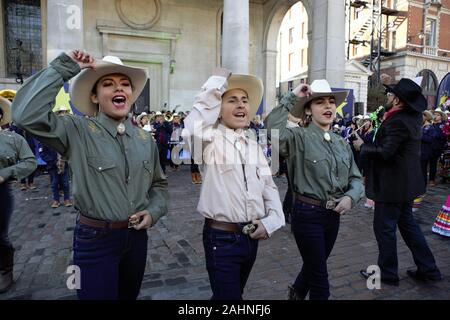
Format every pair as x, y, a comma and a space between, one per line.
81, 86
442, 113
361, 120
252, 85
158, 113
319, 88
143, 114
5, 105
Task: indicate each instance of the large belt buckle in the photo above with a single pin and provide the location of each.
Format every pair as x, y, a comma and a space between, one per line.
132, 222
248, 228
330, 205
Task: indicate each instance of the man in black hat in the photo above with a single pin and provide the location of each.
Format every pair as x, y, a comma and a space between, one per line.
393, 181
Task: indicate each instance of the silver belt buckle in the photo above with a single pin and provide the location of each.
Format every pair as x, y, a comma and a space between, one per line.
248, 228
330, 205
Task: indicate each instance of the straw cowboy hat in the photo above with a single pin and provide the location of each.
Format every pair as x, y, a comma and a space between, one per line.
252, 85
409, 92
442, 113
5, 105
319, 88
81, 86
428, 115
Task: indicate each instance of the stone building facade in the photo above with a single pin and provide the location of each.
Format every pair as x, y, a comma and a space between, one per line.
178, 41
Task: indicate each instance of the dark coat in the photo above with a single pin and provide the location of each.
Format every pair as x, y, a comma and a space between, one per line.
393, 167
429, 135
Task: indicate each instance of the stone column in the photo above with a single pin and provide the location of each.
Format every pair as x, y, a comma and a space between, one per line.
235, 40
270, 83
64, 26
327, 42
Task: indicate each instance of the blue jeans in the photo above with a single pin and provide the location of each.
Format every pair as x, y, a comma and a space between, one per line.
60, 181
111, 261
315, 230
6, 210
229, 259
386, 218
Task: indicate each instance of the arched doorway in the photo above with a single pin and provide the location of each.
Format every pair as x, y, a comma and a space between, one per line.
270, 50
429, 86
292, 56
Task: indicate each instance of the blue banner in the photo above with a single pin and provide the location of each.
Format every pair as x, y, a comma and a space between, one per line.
347, 106
443, 93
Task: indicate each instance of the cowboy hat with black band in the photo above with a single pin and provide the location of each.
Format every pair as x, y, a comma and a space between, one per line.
5, 106
410, 93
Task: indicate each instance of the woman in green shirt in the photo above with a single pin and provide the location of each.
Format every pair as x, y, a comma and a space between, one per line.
16, 162
324, 178
118, 185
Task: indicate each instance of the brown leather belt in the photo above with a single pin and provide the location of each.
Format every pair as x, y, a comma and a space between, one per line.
330, 204
244, 228
103, 223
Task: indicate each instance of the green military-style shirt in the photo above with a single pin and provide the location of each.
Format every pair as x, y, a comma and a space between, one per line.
317, 168
113, 176
17, 161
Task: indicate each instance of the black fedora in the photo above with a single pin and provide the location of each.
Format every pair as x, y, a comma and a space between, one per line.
410, 93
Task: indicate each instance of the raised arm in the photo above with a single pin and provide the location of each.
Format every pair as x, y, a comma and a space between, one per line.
33, 103
277, 119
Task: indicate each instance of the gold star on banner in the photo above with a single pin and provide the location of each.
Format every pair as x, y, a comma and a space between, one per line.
340, 109
62, 99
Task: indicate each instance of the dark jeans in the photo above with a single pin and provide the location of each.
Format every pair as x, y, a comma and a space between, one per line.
433, 166
194, 167
315, 230
163, 156
387, 217
229, 259
288, 201
6, 210
111, 261
60, 181
424, 164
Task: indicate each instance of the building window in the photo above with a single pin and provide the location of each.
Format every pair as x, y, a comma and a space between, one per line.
23, 37
303, 30
429, 85
290, 85
291, 61
291, 35
303, 55
430, 33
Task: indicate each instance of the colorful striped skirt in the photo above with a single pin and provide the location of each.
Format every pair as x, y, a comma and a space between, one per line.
442, 223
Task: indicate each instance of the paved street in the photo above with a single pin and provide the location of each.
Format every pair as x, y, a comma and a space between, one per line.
175, 267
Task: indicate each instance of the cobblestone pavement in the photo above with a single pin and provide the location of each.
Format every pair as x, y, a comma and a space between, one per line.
175, 266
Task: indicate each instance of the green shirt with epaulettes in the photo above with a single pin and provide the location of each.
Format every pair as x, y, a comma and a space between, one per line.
317, 168
114, 176
17, 161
